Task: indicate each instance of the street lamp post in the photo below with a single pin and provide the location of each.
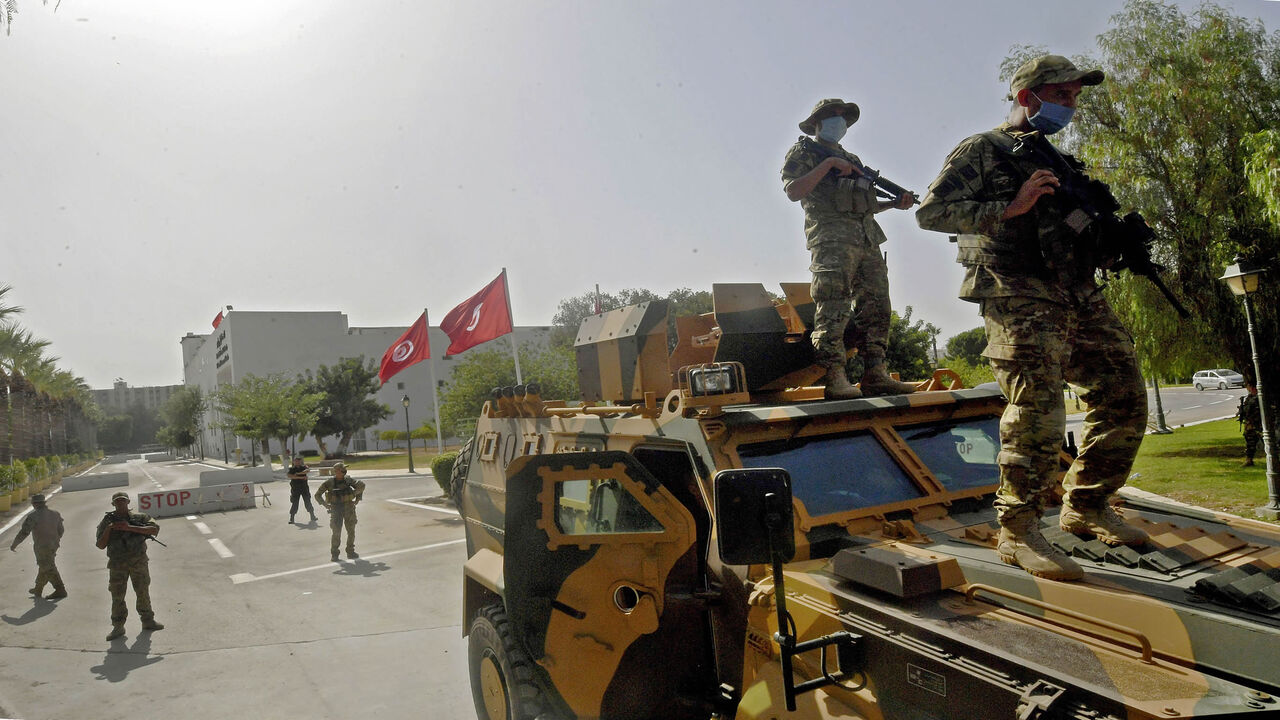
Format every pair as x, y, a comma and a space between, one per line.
1243, 279
410, 437
293, 431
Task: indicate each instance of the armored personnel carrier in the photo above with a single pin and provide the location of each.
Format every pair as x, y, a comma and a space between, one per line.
702, 535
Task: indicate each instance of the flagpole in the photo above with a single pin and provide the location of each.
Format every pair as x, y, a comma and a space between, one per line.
431, 373
515, 351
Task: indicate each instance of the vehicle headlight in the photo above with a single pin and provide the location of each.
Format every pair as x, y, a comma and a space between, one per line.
713, 380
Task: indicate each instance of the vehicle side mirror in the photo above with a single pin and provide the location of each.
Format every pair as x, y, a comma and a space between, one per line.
754, 521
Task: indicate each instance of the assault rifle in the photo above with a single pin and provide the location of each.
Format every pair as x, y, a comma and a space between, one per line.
885, 188
1128, 239
112, 516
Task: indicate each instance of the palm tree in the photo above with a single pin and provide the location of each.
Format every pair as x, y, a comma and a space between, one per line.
19, 353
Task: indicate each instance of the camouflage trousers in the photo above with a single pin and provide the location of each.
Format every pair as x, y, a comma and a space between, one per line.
850, 285
46, 568
1034, 346
340, 514
119, 573
1252, 436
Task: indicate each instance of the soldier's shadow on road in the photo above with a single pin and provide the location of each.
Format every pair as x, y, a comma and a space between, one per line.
41, 608
362, 567
123, 659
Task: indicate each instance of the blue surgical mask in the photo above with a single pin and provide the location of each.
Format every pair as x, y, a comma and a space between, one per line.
832, 129
1051, 117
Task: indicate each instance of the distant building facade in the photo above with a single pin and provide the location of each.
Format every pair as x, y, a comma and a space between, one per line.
120, 397
291, 343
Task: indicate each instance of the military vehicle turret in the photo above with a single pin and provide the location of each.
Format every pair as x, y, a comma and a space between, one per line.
705, 536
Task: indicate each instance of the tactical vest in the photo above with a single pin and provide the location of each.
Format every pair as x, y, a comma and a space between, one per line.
1016, 247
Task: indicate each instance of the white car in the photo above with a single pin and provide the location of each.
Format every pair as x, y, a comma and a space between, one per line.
1220, 379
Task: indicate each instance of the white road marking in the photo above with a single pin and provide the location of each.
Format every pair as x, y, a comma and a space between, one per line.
191, 517
420, 506
221, 549
204, 529
1192, 407
240, 578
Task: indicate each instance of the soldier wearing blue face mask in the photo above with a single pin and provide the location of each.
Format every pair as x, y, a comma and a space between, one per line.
1031, 257
850, 280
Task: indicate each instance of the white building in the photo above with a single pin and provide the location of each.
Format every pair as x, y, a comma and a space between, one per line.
291, 343
121, 397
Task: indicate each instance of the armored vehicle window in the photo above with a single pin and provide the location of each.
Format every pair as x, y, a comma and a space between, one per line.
832, 474
593, 507
961, 455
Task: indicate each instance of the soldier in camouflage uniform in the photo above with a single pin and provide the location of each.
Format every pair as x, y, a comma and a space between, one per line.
45, 528
124, 536
1030, 264
340, 495
850, 280
1250, 416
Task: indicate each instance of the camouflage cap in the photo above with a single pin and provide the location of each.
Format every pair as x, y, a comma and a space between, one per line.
117, 496
38, 499
827, 108
340, 465
1049, 69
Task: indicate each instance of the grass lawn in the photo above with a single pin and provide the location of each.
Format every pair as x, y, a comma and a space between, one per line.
1200, 465
398, 461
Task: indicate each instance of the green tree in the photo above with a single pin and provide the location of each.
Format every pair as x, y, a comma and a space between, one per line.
180, 416
268, 407
347, 405
909, 346
115, 432
1177, 130
968, 346
424, 432
392, 436
553, 369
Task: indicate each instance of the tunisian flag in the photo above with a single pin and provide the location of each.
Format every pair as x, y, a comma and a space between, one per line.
413, 346
483, 317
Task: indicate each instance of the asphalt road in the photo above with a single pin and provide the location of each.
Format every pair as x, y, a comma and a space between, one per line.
1182, 406
259, 623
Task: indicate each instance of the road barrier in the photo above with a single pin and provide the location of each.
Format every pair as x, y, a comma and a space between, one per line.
94, 482
206, 498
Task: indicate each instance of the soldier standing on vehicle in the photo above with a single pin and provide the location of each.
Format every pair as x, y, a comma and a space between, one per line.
298, 488
340, 495
1250, 416
850, 279
1030, 260
45, 528
124, 536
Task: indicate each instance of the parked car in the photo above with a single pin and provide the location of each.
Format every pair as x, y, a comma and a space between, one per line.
1221, 379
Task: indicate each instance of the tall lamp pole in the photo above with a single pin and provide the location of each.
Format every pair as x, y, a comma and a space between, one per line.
410, 437
1242, 278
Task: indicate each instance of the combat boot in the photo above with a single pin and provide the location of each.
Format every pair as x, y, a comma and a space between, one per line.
333, 556
151, 624
876, 381
1022, 544
290, 519
36, 590
117, 631
58, 593
836, 385
1101, 522
351, 553
313, 517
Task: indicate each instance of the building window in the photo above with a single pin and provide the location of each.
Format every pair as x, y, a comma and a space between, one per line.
399, 386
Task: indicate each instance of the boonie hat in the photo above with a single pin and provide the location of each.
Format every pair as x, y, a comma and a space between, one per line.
117, 496
38, 498
1050, 69
339, 465
828, 108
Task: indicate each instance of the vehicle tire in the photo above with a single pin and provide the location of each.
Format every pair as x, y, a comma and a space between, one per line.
1199, 387
458, 476
1222, 386
502, 683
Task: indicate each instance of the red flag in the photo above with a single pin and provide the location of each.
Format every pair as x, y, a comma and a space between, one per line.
412, 347
217, 320
483, 317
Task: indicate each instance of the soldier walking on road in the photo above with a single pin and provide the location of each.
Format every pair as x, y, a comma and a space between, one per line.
45, 528
1030, 257
850, 278
1250, 417
124, 536
340, 495
298, 488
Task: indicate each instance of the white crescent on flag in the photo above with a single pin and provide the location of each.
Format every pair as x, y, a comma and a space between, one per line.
402, 351
475, 318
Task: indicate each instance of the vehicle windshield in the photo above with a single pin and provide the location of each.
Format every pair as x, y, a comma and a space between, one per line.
1224, 371
962, 455
835, 473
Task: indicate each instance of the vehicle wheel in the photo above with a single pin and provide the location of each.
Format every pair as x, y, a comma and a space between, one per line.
458, 477
1222, 386
502, 683
1199, 386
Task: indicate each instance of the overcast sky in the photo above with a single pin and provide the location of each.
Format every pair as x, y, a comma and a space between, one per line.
160, 159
